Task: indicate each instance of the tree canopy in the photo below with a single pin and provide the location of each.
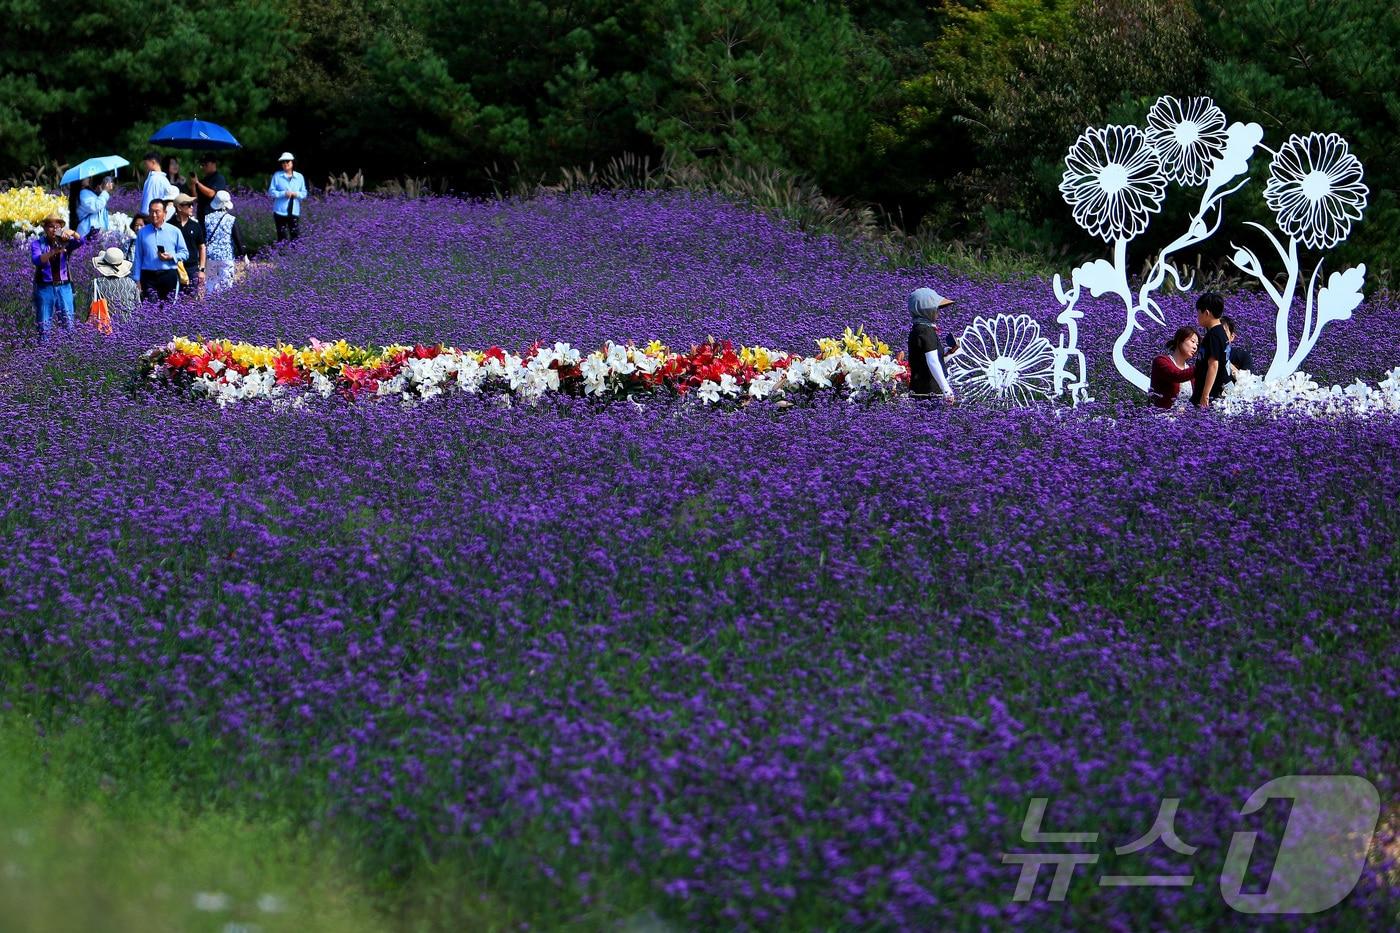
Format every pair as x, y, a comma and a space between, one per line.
957, 112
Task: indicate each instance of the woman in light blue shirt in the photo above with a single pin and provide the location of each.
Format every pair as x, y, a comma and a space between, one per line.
92, 207
287, 190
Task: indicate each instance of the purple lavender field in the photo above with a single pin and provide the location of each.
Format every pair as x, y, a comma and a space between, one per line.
765, 668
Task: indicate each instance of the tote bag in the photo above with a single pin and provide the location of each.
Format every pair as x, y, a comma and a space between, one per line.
98, 313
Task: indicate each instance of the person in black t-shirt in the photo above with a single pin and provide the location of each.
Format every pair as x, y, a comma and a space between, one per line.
1237, 356
1213, 367
205, 187
927, 348
193, 232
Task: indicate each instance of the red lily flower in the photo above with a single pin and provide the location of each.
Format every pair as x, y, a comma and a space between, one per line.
284, 367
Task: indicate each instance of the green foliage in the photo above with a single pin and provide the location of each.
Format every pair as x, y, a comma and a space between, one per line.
1299, 66
94, 842
1009, 86
954, 114
776, 82
100, 78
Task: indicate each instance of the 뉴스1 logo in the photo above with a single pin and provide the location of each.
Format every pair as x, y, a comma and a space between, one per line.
1320, 859
1323, 851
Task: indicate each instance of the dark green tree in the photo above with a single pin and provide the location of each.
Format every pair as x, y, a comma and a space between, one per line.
105, 75
768, 82
1300, 66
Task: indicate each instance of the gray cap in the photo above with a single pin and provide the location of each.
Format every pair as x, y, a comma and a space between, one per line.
925, 299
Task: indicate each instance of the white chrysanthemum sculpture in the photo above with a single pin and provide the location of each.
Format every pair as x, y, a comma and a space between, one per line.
1116, 178
1003, 360
1315, 189
1188, 136
1113, 182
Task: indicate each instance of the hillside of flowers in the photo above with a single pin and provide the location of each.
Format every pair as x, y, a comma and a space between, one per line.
797, 663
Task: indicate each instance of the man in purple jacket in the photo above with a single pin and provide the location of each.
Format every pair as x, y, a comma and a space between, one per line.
53, 289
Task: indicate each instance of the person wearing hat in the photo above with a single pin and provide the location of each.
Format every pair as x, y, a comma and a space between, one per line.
159, 246
53, 288
154, 189
193, 232
204, 188
114, 282
225, 245
927, 349
287, 190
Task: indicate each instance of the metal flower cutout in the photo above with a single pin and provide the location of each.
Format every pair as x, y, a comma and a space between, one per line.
1188, 137
1003, 361
1113, 181
1116, 178
1315, 189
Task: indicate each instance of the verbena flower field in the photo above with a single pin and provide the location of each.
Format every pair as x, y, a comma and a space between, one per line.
771, 666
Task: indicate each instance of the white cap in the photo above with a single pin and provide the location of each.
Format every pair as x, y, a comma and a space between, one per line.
286, 157
222, 201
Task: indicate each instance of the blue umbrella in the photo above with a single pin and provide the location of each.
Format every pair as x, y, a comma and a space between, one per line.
98, 165
195, 134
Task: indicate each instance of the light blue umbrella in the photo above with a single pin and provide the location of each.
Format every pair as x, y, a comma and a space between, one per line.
98, 165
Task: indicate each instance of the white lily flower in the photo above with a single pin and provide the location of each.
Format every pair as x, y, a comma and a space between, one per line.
595, 369
819, 372
765, 385
619, 360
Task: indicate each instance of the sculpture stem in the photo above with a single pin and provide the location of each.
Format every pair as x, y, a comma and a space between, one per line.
1279, 368
1130, 324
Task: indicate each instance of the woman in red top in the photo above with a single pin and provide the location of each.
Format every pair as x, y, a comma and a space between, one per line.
1169, 370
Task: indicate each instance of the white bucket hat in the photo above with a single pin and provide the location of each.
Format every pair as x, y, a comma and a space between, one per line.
171, 193
286, 157
222, 201
112, 263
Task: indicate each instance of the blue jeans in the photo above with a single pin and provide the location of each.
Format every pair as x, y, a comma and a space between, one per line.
51, 298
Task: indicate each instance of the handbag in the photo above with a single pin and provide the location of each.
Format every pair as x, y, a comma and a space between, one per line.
99, 315
180, 269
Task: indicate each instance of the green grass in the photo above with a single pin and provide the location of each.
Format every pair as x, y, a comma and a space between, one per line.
86, 848
122, 829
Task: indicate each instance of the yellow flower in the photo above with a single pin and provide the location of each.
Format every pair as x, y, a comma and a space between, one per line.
246, 354
30, 205
855, 343
760, 358
187, 346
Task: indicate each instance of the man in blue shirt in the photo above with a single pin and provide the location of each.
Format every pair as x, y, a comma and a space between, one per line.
159, 246
156, 182
287, 190
53, 289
